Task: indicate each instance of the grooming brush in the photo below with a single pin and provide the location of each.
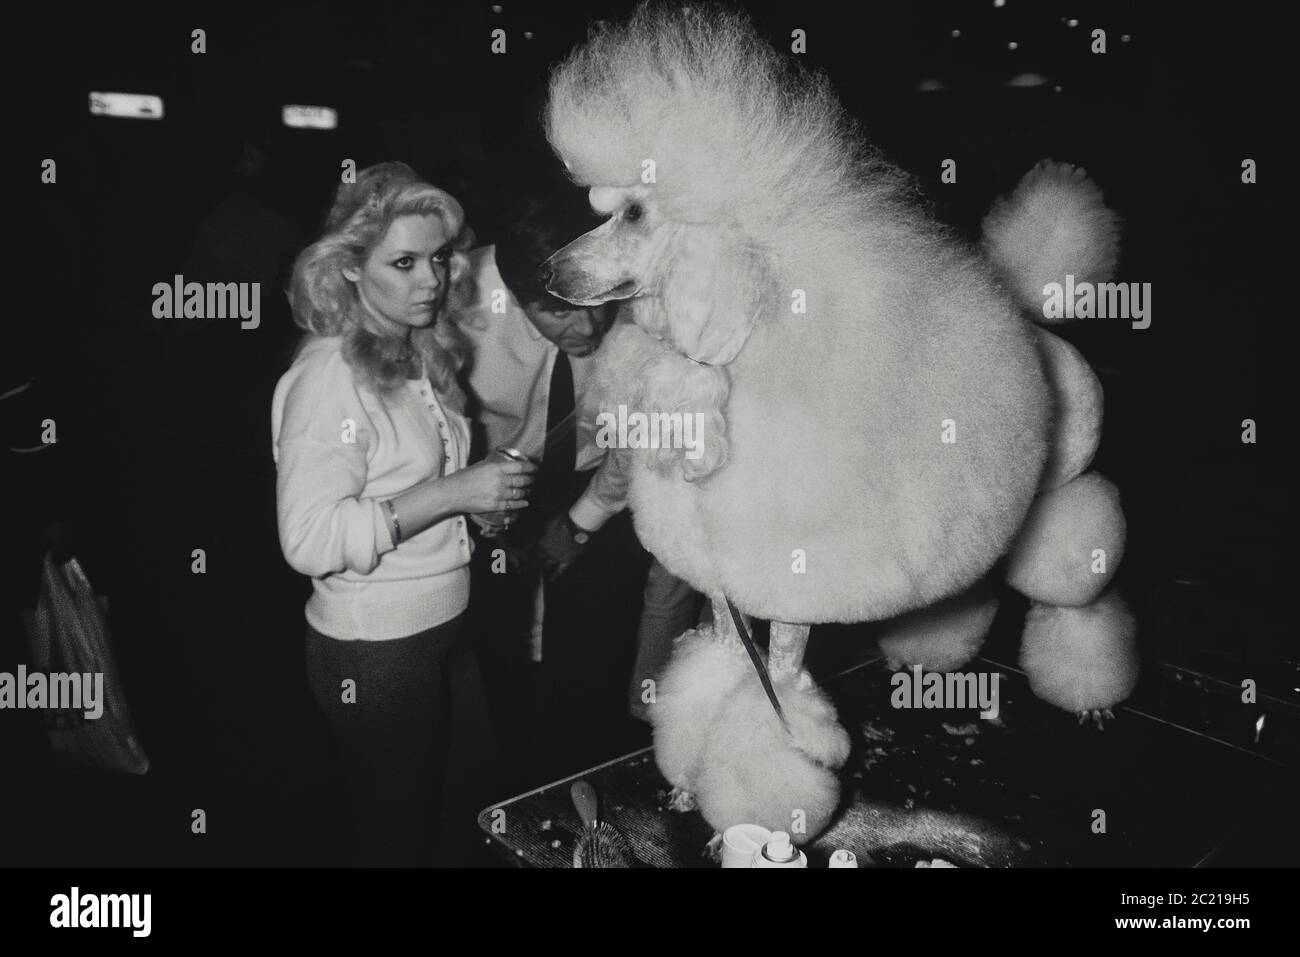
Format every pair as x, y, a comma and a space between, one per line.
600, 845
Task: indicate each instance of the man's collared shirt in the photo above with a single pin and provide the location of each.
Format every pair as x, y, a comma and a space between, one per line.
510, 369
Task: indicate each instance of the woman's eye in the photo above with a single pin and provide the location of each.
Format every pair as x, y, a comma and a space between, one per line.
632, 213
442, 256
406, 262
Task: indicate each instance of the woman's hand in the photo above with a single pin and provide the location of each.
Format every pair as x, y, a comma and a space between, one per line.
496, 484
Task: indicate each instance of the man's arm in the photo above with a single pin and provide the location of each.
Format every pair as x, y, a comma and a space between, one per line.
606, 493
565, 536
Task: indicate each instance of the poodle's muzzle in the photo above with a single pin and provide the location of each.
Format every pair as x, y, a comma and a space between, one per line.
592, 269
698, 287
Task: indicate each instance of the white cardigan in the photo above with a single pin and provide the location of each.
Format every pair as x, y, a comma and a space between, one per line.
340, 449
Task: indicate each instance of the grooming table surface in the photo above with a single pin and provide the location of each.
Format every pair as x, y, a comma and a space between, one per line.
1024, 789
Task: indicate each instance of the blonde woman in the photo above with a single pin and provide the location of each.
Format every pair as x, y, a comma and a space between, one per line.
373, 491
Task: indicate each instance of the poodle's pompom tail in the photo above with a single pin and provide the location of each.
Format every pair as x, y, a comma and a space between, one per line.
754, 771
1055, 224
694, 688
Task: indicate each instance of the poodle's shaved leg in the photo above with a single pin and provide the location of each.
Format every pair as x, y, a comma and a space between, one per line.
785, 648
725, 628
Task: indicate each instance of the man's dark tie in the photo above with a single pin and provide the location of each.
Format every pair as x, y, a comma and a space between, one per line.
554, 482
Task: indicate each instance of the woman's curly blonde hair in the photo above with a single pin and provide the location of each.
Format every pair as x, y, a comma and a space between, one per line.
325, 302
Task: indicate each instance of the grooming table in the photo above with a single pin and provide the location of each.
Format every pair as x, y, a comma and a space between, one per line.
1024, 789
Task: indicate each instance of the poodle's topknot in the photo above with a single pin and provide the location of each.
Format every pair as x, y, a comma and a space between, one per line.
737, 132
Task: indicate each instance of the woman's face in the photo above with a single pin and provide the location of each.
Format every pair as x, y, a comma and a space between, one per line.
403, 283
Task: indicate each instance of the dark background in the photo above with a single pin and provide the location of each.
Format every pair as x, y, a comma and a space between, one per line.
163, 426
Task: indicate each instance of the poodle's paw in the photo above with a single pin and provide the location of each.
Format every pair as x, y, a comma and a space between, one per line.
713, 849
1081, 659
682, 801
782, 790
1098, 717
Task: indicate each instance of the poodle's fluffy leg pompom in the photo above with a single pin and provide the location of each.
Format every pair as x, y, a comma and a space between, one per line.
754, 771
693, 689
814, 724
1071, 544
1054, 224
943, 636
1081, 659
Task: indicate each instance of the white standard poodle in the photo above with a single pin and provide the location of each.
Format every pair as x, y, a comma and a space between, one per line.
884, 422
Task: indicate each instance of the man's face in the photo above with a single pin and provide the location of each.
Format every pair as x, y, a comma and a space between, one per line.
575, 329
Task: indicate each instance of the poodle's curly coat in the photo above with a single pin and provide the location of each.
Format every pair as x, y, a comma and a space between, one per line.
883, 422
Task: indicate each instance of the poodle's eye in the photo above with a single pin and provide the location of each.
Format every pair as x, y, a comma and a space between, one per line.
633, 212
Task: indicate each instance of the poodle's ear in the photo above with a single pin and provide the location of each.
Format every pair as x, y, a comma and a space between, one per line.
718, 287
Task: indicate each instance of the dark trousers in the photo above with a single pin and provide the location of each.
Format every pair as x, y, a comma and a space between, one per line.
414, 739
569, 711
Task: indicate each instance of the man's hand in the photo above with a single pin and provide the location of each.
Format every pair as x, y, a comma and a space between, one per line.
560, 545
486, 528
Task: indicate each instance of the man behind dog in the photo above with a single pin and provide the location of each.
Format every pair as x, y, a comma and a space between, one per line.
556, 597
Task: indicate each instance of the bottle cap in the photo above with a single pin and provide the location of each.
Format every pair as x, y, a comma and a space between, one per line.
844, 858
778, 848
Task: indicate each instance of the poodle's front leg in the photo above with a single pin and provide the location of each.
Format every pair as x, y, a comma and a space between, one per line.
725, 628
785, 648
